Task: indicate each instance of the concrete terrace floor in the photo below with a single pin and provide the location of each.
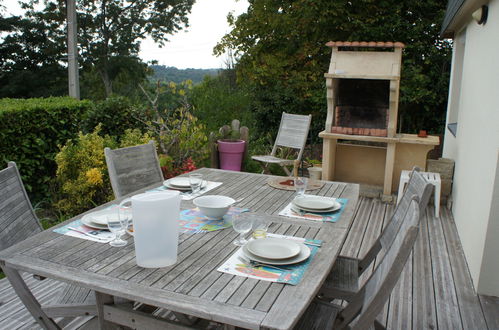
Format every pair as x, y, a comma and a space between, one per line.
434, 292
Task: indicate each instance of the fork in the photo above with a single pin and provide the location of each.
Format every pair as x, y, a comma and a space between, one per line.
253, 263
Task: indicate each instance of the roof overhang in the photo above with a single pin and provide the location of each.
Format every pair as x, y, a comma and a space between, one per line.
458, 14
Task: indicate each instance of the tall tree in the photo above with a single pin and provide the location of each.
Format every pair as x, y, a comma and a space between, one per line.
110, 31
282, 53
30, 60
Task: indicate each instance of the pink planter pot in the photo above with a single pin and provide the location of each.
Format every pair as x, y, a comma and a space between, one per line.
231, 154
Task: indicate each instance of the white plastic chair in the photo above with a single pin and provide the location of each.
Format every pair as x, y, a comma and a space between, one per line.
433, 178
293, 133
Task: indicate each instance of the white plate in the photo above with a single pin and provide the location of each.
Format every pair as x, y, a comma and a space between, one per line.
273, 248
99, 217
180, 182
169, 186
315, 202
175, 187
304, 209
302, 255
89, 223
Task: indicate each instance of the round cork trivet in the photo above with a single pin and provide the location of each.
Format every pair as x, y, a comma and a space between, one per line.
286, 183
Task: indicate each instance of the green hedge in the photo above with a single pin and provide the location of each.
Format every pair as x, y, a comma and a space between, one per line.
31, 131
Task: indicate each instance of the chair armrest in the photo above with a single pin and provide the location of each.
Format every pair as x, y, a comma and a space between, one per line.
369, 257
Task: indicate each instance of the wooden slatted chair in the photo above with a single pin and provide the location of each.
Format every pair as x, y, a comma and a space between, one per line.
293, 133
368, 302
18, 222
343, 281
133, 168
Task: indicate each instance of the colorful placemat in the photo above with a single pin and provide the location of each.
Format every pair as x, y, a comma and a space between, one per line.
287, 183
192, 221
91, 234
326, 217
187, 195
288, 274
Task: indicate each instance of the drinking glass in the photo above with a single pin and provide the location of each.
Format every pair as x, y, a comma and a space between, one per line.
242, 224
301, 185
117, 224
196, 181
125, 211
260, 224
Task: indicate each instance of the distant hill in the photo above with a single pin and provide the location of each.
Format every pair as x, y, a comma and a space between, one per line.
170, 73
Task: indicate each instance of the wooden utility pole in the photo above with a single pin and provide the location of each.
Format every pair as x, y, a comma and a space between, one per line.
73, 75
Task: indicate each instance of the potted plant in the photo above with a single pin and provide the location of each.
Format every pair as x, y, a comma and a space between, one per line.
232, 145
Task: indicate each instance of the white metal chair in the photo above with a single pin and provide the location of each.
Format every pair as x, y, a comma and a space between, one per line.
293, 133
133, 168
433, 178
18, 222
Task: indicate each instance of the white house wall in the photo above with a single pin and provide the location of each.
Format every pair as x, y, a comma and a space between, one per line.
475, 106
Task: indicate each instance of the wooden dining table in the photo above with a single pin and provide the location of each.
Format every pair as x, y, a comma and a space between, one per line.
193, 286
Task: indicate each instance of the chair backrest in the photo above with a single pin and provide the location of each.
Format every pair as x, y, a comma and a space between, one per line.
133, 168
369, 301
18, 220
417, 186
293, 132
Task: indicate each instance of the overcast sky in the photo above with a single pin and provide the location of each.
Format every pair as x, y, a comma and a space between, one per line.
191, 48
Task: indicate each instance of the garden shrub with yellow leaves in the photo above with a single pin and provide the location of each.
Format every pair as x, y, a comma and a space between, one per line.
82, 176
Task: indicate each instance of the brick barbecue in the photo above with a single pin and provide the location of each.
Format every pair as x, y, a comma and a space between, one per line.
363, 88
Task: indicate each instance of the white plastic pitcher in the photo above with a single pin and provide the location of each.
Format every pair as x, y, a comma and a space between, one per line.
155, 226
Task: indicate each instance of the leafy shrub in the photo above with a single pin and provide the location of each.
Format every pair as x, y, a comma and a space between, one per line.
116, 114
169, 169
31, 131
217, 100
169, 119
82, 175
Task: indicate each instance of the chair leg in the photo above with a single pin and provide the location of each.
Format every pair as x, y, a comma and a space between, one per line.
265, 168
437, 199
286, 170
24, 293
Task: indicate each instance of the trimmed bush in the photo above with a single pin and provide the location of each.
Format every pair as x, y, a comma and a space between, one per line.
31, 131
116, 114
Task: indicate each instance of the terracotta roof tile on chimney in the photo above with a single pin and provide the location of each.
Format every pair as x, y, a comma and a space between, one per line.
377, 44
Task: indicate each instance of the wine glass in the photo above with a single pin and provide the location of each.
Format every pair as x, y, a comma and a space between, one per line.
260, 225
117, 223
196, 181
300, 185
241, 224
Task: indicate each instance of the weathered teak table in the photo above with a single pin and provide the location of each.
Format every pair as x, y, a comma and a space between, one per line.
192, 286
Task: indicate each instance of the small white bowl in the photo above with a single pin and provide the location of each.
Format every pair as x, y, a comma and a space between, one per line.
214, 207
